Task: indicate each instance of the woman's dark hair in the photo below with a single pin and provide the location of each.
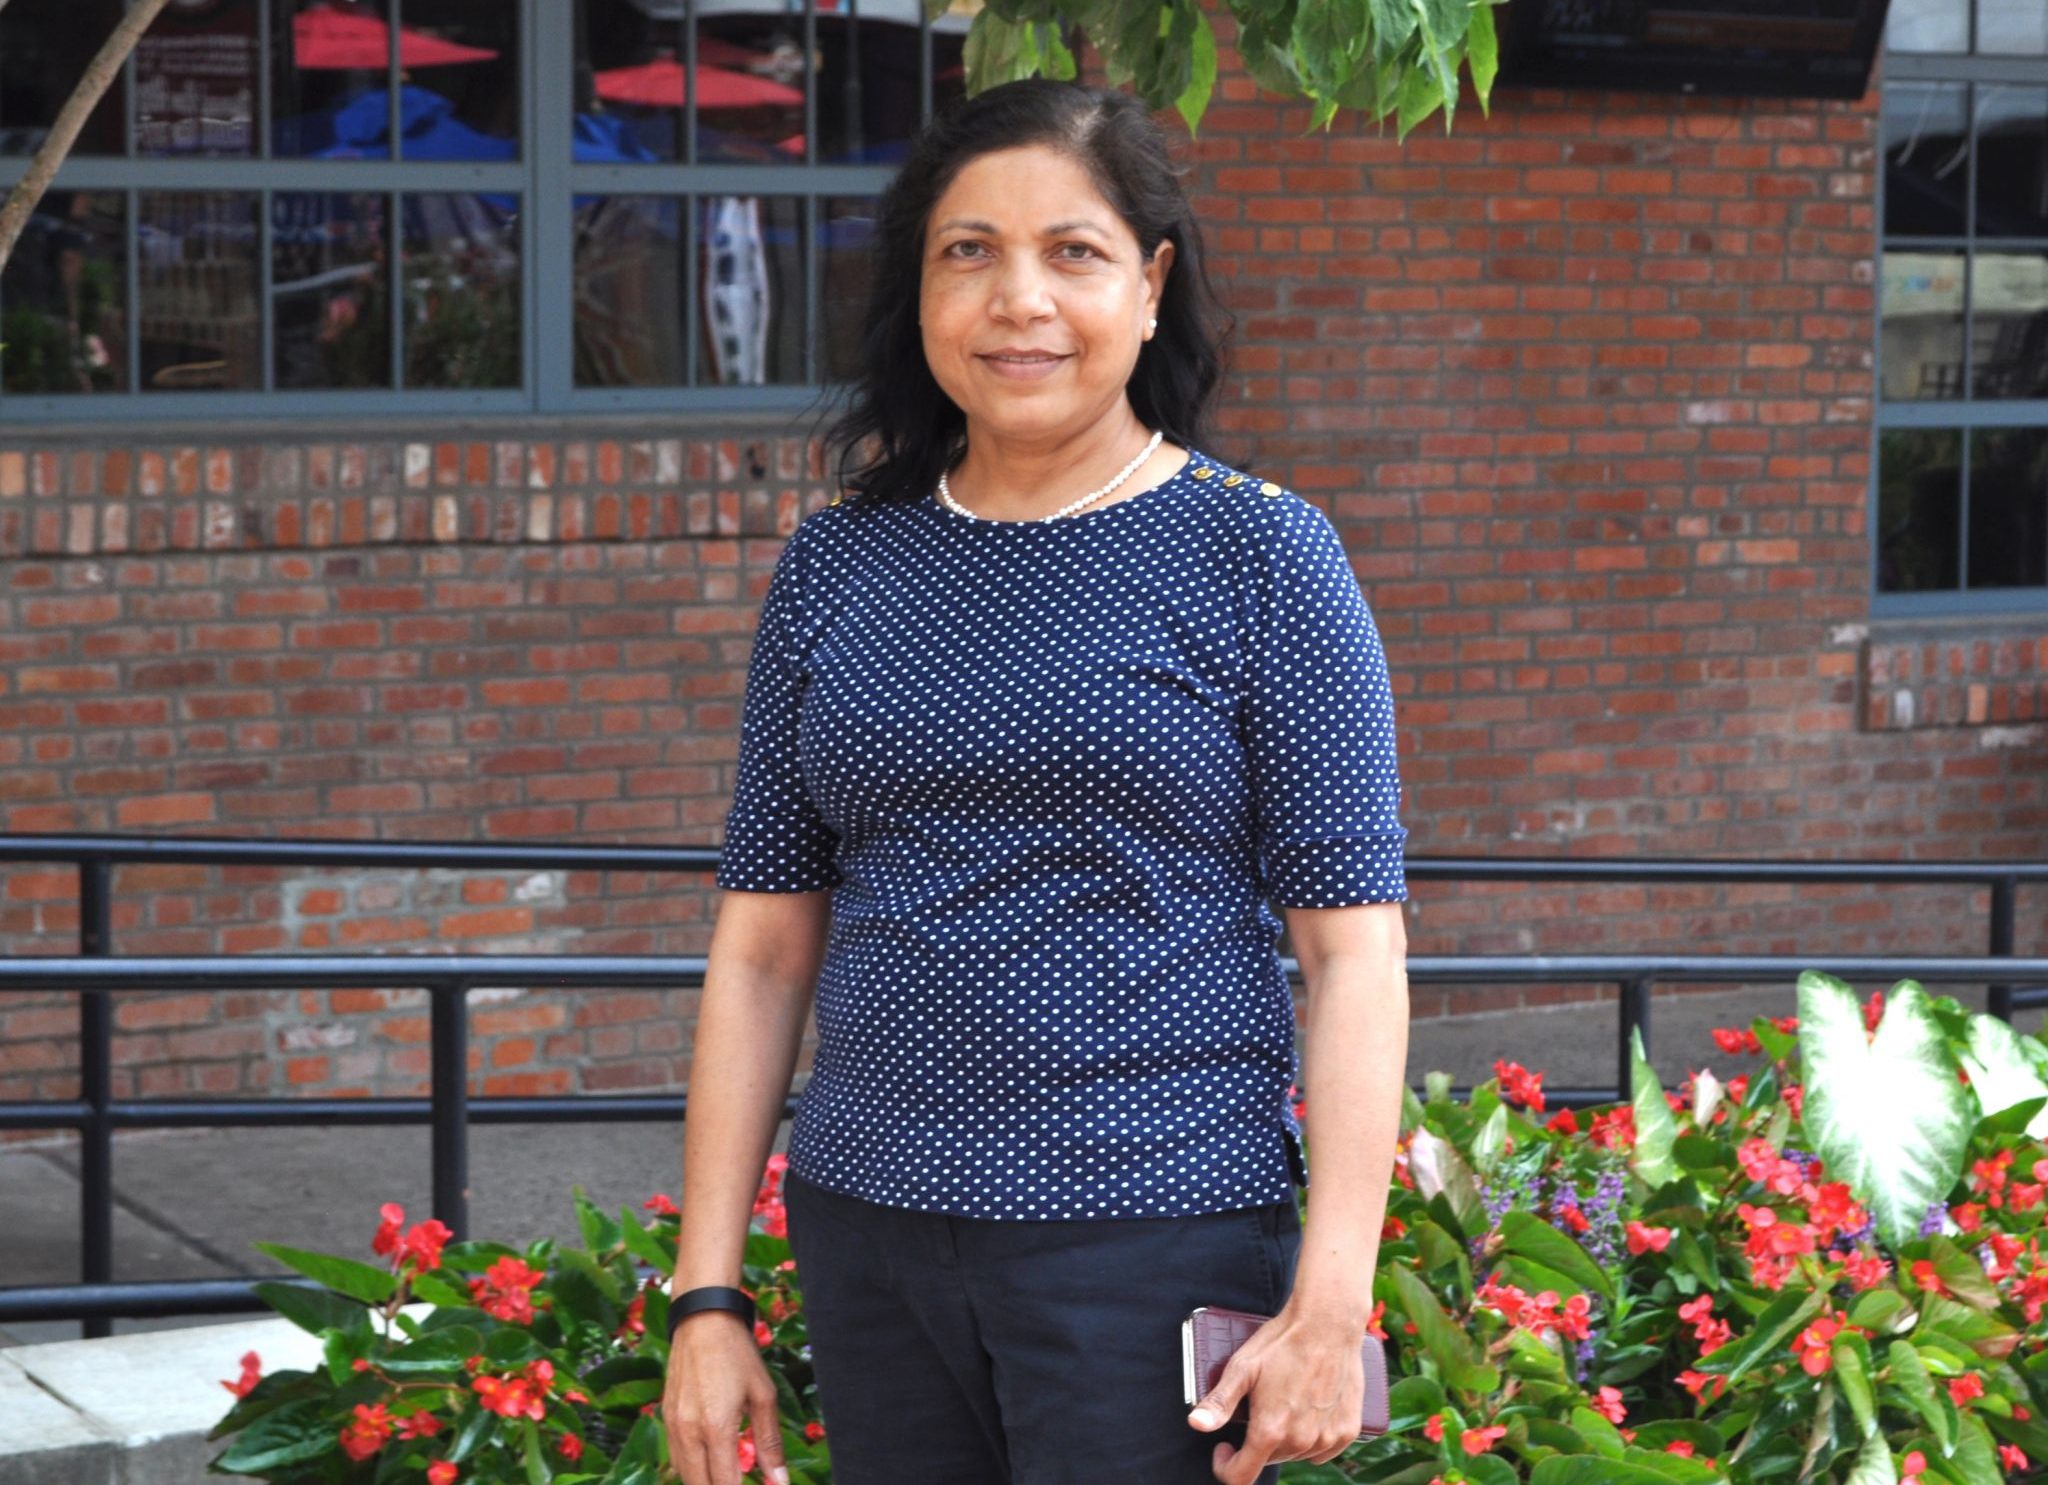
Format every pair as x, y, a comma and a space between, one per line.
918, 431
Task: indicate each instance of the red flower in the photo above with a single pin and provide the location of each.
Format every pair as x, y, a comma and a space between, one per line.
1681, 1447
1865, 1270
1814, 1345
1910, 1468
386, 1238
441, 1472
1873, 1012
1609, 1405
1643, 1239
2012, 1457
571, 1447
1733, 1039
420, 1425
505, 1292
1519, 1084
367, 1432
1925, 1276
1968, 1386
1372, 1321
1480, 1440
1795, 1099
814, 1430
1433, 1430
1697, 1383
1614, 1130
252, 1373
419, 1249
1564, 1121
661, 1206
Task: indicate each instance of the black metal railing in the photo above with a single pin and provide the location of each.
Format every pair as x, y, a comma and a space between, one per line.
448, 1108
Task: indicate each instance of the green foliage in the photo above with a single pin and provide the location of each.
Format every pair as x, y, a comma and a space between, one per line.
1728, 1282
1384, 57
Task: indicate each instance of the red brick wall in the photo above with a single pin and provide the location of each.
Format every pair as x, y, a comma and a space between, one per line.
1586, 385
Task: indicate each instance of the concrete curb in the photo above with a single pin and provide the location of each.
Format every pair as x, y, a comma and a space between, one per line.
131, 1409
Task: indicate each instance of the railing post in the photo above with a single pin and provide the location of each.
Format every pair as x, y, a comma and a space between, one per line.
1635, 1013
95, 1086
449, 1025
2003, 892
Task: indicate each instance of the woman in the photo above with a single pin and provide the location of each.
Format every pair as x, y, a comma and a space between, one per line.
1043, 708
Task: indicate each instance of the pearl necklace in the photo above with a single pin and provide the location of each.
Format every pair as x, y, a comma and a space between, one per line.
946, 494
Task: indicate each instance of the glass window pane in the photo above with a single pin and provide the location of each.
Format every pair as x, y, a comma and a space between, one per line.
195, 81
749, 87
44, 46
1926, 159
1919, 479
460, 84
1928, 26
868, 82
949, 43
460, 261
2012, 161
1920, 341
196, 310
628, 82
330, 291
629, 288
2008, 507
2009, 305
2012, 28
330, 79
750, 269
847, 224
62, 320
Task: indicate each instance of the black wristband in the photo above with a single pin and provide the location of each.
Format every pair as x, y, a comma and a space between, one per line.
708, 1297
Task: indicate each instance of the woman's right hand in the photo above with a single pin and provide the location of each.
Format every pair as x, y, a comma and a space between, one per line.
716, 1374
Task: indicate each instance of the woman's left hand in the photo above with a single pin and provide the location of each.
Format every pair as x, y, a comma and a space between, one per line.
1306, 1381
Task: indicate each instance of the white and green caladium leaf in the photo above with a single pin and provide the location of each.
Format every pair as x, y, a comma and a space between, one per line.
2001, 1070
1888, 1115
1656, 1125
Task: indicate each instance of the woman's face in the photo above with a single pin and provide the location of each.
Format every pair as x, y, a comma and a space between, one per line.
1022, 253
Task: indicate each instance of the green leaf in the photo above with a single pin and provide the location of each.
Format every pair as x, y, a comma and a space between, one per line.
1598, 1432
1961, 1274
1591, 1469
1888, 1115
1910, 1375
1482, 52
436, 1351
1873, 1464
1781, 1319
436, 1290
1491, 1140
314, 1310
1851, 1356
477, 1424
1656, 1125
2001, 1072
1976, 1457
1436, 1166
1194, 99
343, 1275
1450, 1344
1534, 1238
296, 1432
1411, 1401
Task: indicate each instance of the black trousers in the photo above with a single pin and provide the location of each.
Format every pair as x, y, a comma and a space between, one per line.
975, 1351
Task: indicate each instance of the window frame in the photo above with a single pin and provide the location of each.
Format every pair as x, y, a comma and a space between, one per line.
1964, 414
546, 179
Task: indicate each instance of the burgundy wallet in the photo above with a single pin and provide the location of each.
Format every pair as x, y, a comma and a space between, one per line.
1211, 1333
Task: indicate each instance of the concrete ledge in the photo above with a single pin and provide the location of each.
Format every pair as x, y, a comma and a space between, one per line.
131, 1409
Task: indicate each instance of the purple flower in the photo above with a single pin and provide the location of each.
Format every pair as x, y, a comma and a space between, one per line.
1937, 1214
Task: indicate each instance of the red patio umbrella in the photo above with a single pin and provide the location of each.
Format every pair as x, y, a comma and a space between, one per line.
659, 84
335, 36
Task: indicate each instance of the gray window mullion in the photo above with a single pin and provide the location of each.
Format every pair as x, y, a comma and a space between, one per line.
266, 302
548, 226
808, 210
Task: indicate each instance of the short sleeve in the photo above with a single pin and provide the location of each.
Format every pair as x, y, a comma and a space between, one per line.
775, 838
1319, 723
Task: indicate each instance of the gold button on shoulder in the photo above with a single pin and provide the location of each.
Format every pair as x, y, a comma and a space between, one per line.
1233, 479
1204, 472
837, 498
1269, 488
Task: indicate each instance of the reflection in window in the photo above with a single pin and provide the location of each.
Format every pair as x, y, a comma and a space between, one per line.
629, 286
195, 81
1926, 159
2012, 161
1928, 26
847, 225
62, 328
330, 292
750, 289
750, 79
2009, 311
196, 310
1921, 337
2012, 28
460, 263
1918, 509
2008, 507
459, 80
44, 46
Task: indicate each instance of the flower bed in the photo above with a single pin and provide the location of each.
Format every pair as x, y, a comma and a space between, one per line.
1825, 1267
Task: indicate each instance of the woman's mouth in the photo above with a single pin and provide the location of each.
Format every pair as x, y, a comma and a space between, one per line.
1026, 368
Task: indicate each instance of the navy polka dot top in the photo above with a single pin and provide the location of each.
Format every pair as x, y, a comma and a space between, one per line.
1056, 775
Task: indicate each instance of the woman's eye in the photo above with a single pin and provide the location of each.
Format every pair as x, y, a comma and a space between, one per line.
1084, 247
